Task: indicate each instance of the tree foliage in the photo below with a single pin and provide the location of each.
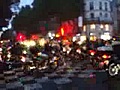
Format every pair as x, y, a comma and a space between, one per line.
25, 21
28, 19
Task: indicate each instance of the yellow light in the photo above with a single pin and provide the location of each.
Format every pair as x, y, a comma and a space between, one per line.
62, 31
105, 56
93, 38
26, 43
42, 42
84, 28
57, 35
32, 43
29, 43
39, 53
114, 39
83, 38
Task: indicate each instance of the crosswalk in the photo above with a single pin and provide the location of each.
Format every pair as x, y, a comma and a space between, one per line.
11, 75
15, 79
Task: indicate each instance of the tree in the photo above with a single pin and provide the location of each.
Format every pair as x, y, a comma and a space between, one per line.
25, 21
8, 35
65, 9
28, 19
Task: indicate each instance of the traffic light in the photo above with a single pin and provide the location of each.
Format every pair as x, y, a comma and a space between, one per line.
34, 37
62, 31
20, 37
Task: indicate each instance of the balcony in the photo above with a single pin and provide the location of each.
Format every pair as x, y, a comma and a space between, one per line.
98, 20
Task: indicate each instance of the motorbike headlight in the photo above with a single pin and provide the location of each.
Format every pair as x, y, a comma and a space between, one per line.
92, 52
8, 55
78, 51
0, 49
53, 52
39, 53
64, 50
24, 52
84, 47
55, 58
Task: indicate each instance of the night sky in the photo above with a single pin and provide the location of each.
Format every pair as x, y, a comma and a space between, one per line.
25, 2
5, 12
4, 9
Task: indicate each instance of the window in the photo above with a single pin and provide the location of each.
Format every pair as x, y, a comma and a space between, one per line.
106, 15
91, 6
106, 6
101, 26
100, 5
100, 14
84, 28
92, 26
107, 27
92, 15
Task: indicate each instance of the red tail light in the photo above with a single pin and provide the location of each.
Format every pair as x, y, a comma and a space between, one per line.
92, 52
105, 56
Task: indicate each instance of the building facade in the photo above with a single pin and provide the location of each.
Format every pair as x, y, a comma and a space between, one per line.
98, 21
116, 16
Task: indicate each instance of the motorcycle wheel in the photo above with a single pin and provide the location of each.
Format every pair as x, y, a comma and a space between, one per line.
113, 70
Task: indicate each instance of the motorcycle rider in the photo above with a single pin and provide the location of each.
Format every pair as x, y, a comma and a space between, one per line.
16, 51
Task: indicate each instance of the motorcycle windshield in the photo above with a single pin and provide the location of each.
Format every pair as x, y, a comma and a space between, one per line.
105, 52
105, 48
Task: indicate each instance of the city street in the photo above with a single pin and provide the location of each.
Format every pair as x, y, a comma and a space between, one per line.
60, 45
65, 78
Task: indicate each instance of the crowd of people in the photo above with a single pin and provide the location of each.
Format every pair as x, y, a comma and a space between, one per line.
16, 48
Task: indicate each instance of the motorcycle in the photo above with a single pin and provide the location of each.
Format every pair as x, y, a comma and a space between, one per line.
100, 58
24, 61
56, 59
114, 68
114, 64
